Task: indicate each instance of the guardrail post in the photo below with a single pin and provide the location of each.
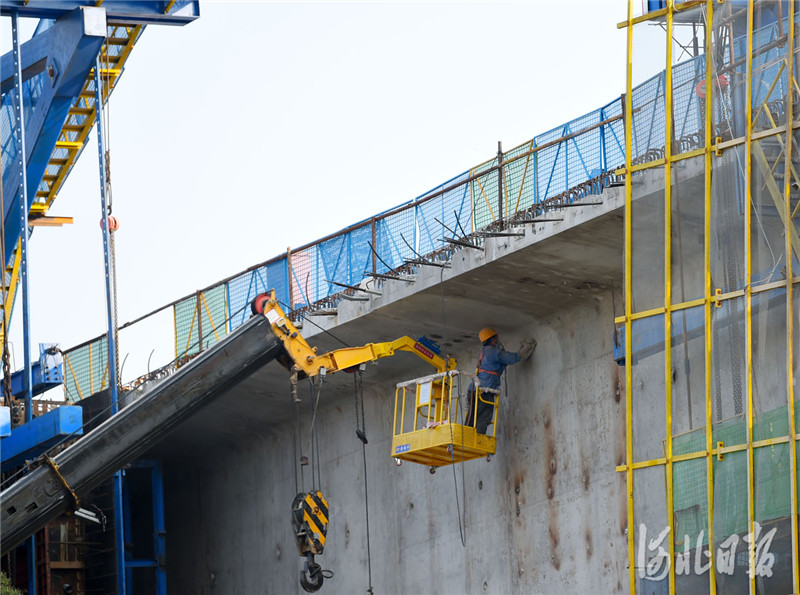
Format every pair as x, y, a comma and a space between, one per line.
535, 174
290, 277
602, 142
625, 127
199, 322
374, 247
567, 130
500, 181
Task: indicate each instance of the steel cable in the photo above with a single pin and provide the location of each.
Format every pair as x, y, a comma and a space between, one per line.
361, 433
461, 530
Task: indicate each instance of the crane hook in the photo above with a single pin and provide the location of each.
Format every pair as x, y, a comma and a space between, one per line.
311, 578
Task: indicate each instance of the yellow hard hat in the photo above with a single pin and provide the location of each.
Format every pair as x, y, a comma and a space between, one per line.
487, 333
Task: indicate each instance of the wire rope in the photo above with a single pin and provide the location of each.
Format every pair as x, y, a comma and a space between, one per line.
361, 433
461, 529
7, 396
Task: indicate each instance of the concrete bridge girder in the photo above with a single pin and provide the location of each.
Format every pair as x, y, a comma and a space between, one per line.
547, 512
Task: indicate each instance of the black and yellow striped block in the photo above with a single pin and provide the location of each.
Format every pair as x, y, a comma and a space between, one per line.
315, 514
310, 520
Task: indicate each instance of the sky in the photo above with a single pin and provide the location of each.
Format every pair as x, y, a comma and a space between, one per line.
264, 125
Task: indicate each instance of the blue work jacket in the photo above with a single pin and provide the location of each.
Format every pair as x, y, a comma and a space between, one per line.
492, 364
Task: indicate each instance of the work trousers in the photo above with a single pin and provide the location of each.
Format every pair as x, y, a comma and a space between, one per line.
485, 410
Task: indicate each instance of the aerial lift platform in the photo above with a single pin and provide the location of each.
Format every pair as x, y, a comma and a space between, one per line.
426, 428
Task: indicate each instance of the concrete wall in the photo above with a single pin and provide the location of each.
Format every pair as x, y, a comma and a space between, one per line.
546, 515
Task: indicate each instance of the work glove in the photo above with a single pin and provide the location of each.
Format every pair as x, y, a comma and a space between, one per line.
527, 348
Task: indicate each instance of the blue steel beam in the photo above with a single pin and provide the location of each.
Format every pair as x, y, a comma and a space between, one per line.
66, 54
46, 374
29, 440
128, 12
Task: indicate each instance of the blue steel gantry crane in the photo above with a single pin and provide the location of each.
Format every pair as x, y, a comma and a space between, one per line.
52, 91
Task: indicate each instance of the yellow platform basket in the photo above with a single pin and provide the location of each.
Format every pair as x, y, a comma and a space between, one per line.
427, 412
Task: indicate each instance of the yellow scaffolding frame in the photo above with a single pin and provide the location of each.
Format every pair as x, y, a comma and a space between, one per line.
711, 299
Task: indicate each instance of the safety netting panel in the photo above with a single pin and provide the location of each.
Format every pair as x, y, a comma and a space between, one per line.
689, 486
584, 155
551, 163
688, 93
770, 81
200, 321
647, 136
483, 194
305, 277
86, 370
446, 215
333, 256
613, 136
772, 478
242, 290
360, 256
519, 176
344, 259
390, 233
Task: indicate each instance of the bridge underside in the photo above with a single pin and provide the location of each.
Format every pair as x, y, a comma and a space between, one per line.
512, 285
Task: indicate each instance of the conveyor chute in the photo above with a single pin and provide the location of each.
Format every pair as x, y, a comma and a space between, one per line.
42, 495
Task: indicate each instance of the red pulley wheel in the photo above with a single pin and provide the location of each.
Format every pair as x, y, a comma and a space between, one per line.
113, 223
257, 305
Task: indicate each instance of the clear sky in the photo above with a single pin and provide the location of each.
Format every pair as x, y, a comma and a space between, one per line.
264, 125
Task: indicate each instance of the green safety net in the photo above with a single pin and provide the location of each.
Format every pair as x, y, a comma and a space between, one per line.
208, 328
772, 477
86, 370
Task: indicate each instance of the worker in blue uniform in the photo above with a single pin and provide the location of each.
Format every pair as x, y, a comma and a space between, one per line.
492, 363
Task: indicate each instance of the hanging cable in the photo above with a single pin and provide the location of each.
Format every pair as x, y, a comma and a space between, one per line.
297, 439
317, 461
288, 309
444, 318
105, 93
7, 396
316, 477
361, 432
310, 442
461, 530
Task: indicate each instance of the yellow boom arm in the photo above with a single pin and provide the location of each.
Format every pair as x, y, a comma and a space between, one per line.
306, 359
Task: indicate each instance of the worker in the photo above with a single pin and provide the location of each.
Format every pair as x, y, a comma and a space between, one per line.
491, 365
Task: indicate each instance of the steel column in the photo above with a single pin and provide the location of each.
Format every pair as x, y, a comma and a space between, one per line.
23, 216
159, 529
748, 296
668, 289
113, 381
627, 233
23, 247
500, 181
707, 291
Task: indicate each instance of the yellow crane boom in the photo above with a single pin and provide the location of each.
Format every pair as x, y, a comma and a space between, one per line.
305, 356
